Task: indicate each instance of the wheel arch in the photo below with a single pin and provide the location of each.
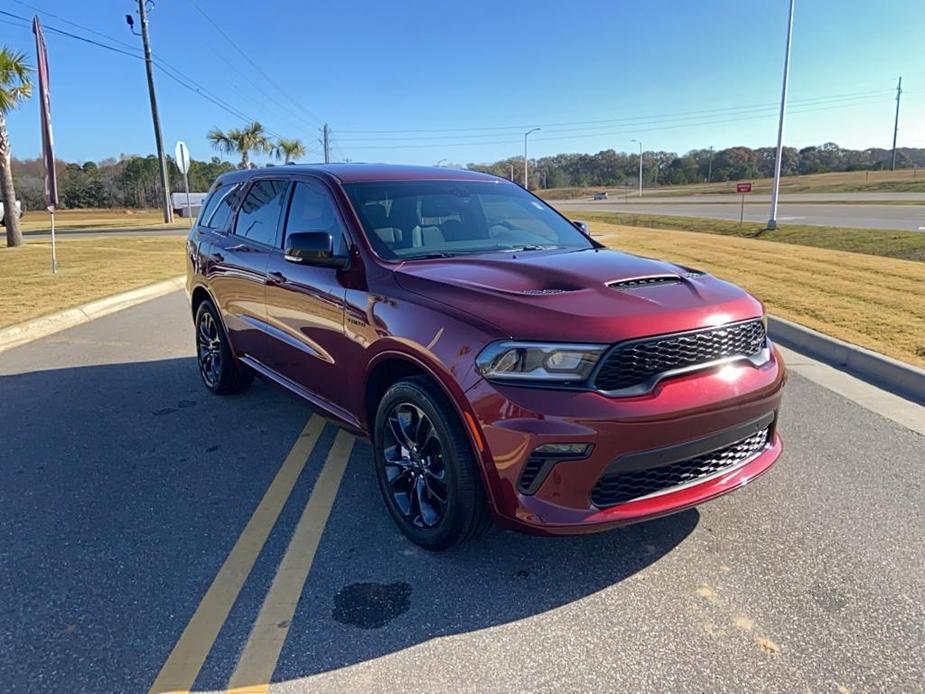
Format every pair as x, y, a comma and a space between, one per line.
391, 366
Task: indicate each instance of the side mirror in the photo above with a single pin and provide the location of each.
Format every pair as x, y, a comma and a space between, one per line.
582, 227
313, 248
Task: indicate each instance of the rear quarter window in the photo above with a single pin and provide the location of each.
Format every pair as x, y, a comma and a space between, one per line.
216, 213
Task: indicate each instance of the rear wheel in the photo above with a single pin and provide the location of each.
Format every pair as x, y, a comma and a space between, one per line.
220, 371
427, 472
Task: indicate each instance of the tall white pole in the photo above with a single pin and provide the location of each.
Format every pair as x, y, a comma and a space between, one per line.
640, 164
775, 190
526, 179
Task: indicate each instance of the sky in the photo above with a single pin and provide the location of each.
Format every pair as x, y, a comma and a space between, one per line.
416, 81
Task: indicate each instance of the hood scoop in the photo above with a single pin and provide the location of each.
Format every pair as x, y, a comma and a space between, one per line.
639, 282
544, 292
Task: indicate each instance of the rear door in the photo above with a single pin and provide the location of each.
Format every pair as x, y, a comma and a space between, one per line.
305, 304
239, 264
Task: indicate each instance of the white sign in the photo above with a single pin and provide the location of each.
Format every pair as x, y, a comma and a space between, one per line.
182, 153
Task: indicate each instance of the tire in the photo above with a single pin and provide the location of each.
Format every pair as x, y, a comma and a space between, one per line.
220, 371
422, 455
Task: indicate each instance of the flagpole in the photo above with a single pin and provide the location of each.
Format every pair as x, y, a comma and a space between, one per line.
54, 254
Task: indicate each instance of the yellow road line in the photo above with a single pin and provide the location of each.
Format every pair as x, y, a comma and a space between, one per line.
261, 652
180, 670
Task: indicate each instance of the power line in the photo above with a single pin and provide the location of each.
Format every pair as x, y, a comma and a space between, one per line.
254, 65
634, 122
75, 24
603, 134
75, 36
520, 127
165, 68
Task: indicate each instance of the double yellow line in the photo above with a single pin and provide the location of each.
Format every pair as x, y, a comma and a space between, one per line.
261, 652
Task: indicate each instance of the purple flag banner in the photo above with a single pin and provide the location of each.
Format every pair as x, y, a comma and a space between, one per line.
48, 147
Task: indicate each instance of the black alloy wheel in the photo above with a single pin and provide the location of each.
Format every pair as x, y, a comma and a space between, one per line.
220, 371
415, 465
426, 468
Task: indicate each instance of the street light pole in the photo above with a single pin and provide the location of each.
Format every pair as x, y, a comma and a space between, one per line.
640, 164
775, 190
526, 179
165, 184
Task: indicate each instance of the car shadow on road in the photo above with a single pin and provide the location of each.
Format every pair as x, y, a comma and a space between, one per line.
124, 486
372, 593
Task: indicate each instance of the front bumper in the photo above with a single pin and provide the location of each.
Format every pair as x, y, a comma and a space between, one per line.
679, 412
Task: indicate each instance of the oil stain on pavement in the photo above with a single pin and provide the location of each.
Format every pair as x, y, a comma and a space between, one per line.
371, 605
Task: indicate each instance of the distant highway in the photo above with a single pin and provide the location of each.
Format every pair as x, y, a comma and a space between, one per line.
794, 209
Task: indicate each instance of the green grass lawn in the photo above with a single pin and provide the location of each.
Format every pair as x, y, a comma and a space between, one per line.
905, 245
900, 181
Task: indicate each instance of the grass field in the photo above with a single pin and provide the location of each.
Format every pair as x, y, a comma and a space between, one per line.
901, 181
875, 302
905, 245
88, 269
37, 220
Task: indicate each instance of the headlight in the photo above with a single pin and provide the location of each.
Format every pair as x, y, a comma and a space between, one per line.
538, 361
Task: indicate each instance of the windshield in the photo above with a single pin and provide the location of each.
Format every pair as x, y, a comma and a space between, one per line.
431, 219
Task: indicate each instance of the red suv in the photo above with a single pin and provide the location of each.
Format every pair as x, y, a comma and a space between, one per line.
503, 363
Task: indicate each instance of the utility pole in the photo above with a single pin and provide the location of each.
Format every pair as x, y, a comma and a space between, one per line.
640, 165
899, 91
165, 183
526, 179
775, 190
710, 165
326, 140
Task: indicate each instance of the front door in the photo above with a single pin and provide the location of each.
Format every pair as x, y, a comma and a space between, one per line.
305, 304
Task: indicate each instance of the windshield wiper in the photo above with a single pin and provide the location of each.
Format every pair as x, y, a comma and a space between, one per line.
529, 247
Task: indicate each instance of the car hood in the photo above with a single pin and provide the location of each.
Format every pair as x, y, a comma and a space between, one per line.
572, 295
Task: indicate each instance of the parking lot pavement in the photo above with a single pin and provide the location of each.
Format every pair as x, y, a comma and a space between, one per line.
137, 513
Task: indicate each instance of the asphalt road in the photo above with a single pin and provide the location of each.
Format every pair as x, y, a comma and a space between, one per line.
124, 487
867, 215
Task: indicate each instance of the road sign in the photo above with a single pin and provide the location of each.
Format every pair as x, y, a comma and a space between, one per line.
743, 188
182, 153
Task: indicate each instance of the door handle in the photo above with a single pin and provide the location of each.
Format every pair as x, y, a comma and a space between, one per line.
278, 278
218, 257
240, 248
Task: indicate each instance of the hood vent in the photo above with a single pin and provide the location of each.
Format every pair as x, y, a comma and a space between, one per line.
639, 282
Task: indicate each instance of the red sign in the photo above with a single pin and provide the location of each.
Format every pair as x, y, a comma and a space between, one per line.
743, 187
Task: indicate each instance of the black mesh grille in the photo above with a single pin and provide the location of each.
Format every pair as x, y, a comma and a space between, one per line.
637, 362
616, 488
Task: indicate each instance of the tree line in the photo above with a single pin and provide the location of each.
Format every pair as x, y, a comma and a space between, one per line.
612, 168
130, 181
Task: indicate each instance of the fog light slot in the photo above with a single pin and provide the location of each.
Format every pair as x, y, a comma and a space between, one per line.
543, 459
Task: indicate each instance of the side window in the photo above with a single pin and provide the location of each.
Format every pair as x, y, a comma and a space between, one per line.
312, 209
217, 210
260, 213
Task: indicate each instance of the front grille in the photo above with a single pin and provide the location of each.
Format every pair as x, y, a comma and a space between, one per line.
619, 487
638, 362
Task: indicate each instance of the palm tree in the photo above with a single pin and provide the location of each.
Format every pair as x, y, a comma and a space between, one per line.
242, 141
15, 87
288, 149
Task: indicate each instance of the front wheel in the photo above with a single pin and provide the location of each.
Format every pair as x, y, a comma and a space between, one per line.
426, 470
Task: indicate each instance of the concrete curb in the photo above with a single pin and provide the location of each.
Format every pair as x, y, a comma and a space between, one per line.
21, 333
884, 372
